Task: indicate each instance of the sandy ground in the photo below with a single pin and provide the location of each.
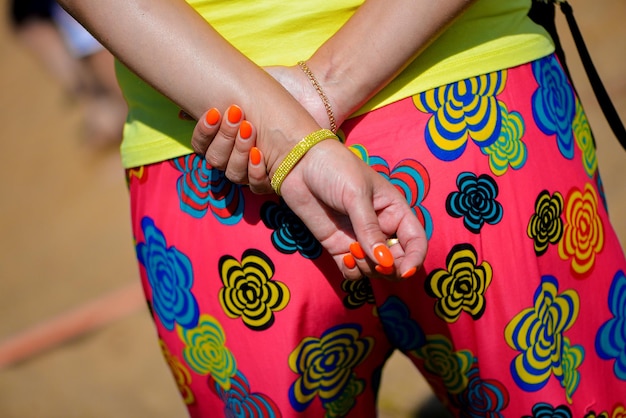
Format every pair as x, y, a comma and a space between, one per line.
65, 241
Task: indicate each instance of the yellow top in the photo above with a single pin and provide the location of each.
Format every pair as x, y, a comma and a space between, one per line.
491, 35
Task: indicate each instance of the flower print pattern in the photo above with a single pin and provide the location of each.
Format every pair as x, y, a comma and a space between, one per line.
584, 140
573, 357
290, 234
342, 405
239, 401
619, 411
554, 105
441, 360
544, 410
583, 235
359, 292
325, 365
600, 187
412, 180
546, 226
508, 149
201, 187
611, 337
205, 351
403, 332
475, 201
462, 110
538, 334
481, 398
181, 374
139, 174
170, 276
593, 414
249, 292
462, 287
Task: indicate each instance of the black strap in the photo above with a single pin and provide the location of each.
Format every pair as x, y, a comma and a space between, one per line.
543, 13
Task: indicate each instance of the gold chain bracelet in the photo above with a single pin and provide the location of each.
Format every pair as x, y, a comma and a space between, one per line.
296, 154
320, 92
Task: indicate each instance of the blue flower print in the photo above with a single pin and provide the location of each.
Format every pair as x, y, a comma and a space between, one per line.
170, 276
481, 397
403, 332
201, 187
544, 410
239, 401
290, 234
467, 109
611, 338
475, 201
554, 105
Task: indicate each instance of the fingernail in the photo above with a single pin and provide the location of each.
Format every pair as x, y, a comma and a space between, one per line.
245, 130
357, 251
212, 117
349, 261
383, 255
234, 114
384, 270
409, 273
255, 156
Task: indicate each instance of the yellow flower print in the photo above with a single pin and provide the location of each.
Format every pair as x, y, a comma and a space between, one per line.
585, 141
538, 334
325, 366
462, 287
205, 350
508, 150
249, 292
583, 235
619, 412
460, 111
360, 151
441, 359
182, 377
573, 357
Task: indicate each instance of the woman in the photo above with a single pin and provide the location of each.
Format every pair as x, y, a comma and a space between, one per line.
463, 108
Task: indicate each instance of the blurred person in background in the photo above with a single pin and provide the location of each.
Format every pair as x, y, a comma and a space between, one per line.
83, 67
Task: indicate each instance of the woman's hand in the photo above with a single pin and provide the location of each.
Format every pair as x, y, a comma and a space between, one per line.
227, 149
342, 201
347, 206
228, 144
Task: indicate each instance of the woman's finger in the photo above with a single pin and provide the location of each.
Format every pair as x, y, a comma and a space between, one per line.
237, 166
258, 178
220, 148
204, 131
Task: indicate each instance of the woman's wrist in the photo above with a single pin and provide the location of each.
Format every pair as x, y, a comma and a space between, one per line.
296, 154
343, 92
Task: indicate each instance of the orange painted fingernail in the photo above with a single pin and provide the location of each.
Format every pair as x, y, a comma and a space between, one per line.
245, 129
349, 261
409, 273
255, 156
384, 270
383, 255
234, 114
357, 251
212, 117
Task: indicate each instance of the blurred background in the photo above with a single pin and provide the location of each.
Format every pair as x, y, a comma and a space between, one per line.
66, 254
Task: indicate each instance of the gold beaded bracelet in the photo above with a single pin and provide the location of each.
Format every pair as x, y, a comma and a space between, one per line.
320, 92
296, 154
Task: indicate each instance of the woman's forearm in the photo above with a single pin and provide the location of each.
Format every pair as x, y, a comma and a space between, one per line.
175, 50
375, 45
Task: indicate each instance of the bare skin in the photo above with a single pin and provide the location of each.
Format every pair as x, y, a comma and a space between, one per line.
346, 201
